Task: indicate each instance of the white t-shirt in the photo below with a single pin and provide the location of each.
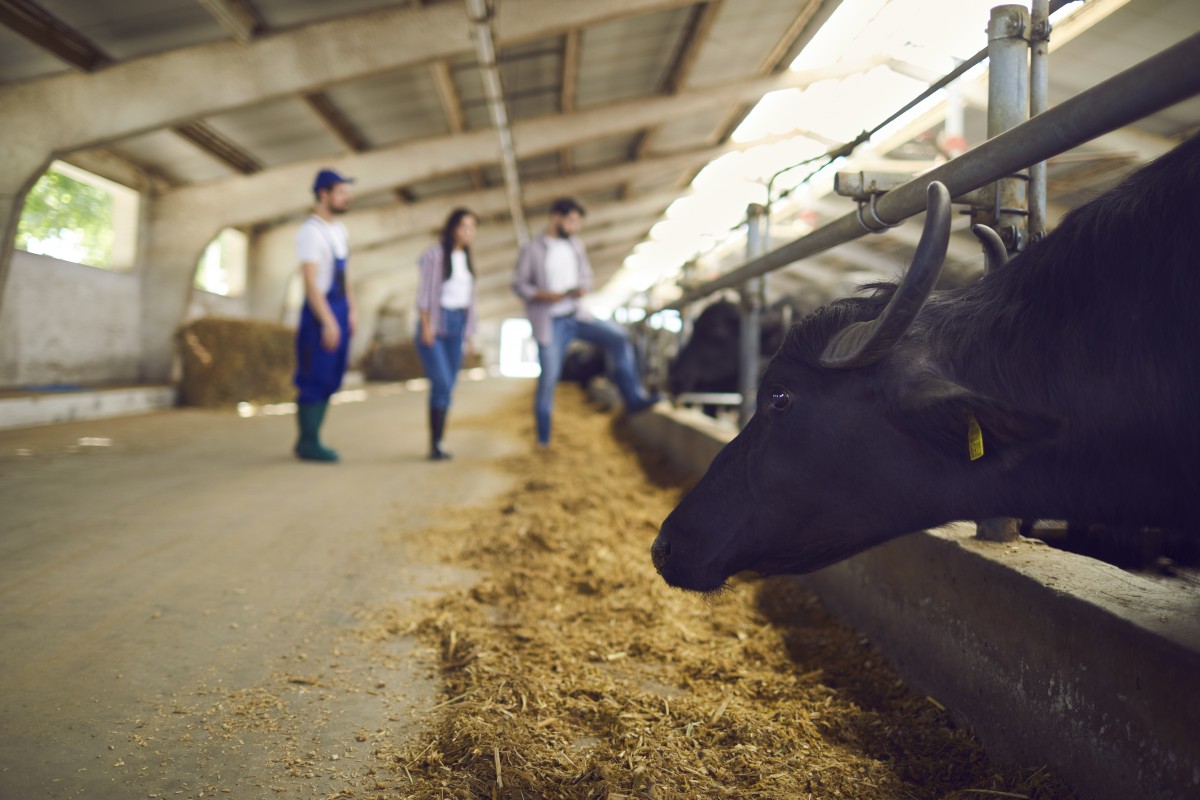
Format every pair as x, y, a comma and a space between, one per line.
456, 290
562, 273
320, 242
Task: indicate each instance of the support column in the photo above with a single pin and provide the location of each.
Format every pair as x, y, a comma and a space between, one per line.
18, 172
177, 237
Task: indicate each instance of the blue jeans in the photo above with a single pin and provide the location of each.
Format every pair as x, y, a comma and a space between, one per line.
443, 359
607, 335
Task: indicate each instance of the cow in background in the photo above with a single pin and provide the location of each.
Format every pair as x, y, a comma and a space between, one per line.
1060, 386
711, 359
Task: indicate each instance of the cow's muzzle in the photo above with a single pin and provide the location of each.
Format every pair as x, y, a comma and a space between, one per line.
660, 551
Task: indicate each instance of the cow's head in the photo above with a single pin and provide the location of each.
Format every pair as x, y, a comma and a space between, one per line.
857, 438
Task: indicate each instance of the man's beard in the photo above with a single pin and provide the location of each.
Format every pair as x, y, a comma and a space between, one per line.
338, 209
561, 233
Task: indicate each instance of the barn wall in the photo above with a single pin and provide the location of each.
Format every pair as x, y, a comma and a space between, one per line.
1052, 658
67, 323
207, 304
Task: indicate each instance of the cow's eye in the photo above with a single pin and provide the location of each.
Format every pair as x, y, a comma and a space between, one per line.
780, 399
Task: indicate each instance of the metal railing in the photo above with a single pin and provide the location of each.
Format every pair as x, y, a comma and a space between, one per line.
1156, 83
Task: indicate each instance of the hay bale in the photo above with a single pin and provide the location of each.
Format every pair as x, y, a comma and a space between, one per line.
228, 361
393, 362
399, 362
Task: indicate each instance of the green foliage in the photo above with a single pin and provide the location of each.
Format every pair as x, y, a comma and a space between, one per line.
68, 219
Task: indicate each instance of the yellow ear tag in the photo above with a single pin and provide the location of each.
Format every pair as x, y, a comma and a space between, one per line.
974, 439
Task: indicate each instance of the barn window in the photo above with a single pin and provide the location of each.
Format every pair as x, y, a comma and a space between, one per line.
72, 215
222, 267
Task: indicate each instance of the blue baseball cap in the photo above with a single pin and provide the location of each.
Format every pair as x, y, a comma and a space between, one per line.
328, 178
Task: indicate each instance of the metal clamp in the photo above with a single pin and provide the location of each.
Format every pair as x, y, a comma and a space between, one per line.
883, 226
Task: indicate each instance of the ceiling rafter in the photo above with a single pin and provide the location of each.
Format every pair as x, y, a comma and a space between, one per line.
203, 136
239, 17
48, 32
452, 107
570, 82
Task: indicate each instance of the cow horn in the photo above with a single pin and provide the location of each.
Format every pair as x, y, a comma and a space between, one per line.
995, 254
866, 342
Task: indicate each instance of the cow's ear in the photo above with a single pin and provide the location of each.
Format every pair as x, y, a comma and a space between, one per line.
971, 425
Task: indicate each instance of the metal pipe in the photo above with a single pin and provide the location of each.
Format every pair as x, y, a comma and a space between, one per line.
485, 52
1039, 83
752, 302
1162, 80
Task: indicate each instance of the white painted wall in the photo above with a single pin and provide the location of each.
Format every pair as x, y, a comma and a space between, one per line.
67, 323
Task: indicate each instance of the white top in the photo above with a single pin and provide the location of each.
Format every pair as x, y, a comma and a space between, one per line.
456, 290
562, 273
320, 242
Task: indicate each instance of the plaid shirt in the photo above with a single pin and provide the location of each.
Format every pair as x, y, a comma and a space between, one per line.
530, 279
429, 289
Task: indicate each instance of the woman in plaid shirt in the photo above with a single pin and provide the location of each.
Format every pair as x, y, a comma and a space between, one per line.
446, 303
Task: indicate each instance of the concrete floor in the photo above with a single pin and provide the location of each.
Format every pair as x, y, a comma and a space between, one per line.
153, 590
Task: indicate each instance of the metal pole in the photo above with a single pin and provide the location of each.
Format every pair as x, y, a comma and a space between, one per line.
1008, 107
485, 53
1160, 81
752, 302
1039, 82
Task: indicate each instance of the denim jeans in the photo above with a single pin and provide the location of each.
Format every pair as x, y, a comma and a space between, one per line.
607, 335
443, 359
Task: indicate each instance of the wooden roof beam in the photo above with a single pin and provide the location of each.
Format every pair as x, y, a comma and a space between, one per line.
203, 136
48, 32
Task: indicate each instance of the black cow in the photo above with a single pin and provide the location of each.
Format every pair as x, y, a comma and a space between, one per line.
1060, 386
583, 362
711, 359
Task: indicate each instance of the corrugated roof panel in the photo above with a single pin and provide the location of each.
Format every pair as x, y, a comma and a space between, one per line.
542, 166
287, 13
169, 155
134, 28
742, 36
396, 107
278, 132
628, 57
602, 153
446, 184
468, 81
655, 183
532, 78
688, 133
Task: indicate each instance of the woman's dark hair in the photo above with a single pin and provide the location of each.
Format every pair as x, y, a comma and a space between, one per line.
456, 216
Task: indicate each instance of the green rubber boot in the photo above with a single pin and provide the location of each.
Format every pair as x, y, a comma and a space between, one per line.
309, 417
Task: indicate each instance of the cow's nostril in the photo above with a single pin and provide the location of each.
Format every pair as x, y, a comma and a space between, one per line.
660, 552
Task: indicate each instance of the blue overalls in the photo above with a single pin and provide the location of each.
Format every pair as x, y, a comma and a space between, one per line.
318, 371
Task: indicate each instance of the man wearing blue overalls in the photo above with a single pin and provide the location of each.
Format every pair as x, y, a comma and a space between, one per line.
327, 320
